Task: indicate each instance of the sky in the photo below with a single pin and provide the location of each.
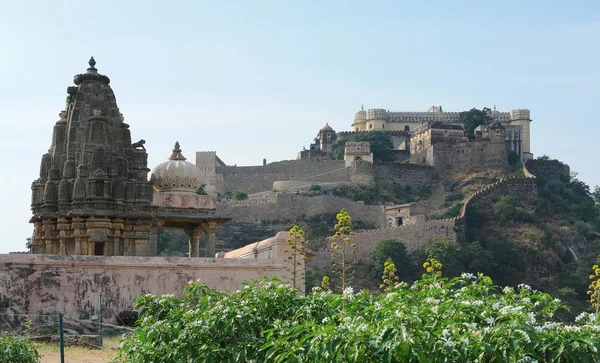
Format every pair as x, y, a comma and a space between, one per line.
258, 79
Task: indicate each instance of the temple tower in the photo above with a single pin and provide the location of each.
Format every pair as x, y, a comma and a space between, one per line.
92, 196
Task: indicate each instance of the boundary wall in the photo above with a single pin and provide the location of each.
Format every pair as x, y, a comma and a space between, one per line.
49, 284
518, 188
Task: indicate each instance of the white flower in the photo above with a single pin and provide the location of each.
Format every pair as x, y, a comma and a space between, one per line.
434, 309
523, 286
348, 292
467, 275
507, 289
524, 335
557, 300
325, 320
489, 321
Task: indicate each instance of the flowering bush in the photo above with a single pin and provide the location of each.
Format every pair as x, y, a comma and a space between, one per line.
434, 319
14, 350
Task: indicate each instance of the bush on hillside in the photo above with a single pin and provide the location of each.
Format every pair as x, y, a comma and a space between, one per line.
239, 195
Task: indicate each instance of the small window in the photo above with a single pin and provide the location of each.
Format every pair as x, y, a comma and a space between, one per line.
406, 128
383, 126
370, 126
357, 129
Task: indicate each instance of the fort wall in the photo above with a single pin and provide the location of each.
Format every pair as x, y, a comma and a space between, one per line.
291, 206
518, 188
414, 237
548, 169
415, 176
255, 179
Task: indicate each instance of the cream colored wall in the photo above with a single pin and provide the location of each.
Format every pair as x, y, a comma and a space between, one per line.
361, 126
377, 125
525, 134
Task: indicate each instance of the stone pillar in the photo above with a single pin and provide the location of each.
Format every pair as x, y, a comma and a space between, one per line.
48, 238
78, 225
211, 229
117, 226
194, 236
63, 226
37, 244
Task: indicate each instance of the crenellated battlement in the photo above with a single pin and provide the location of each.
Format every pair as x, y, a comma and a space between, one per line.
520, 114
521, 188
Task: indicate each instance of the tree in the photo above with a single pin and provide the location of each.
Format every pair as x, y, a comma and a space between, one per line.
473, 118
396, 251
382, 146
596, 194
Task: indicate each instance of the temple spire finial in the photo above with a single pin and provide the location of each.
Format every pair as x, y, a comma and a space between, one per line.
92, 63
362, 107
176, 155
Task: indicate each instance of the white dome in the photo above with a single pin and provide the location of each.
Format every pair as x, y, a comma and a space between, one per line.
176, 174
361, 116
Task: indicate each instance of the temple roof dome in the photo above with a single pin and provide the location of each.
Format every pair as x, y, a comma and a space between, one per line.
361, 116
176, 174
326, 127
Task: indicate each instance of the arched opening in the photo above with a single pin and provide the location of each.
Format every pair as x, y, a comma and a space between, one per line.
357, 158
406, 128
399, 221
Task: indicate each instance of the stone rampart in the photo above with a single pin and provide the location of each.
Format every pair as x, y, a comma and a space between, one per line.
415, 176
518, 188
547, 169
292, 206
414, 237
49, 284
255, 179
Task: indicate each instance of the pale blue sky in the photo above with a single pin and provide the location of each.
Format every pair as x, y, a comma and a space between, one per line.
257, 79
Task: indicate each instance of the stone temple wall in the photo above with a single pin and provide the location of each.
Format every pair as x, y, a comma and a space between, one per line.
48, 284
254, 179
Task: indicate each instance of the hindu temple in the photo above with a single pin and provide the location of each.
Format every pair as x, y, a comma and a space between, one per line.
93, 196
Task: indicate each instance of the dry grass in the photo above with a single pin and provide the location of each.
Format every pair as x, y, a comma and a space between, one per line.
50, 352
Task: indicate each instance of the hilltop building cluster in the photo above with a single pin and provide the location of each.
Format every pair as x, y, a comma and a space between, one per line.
418, 132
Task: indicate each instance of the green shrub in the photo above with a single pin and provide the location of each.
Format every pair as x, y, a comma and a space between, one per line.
201, 191
394, 249
16, 350
127, 317
314, 188
453, 212
239, 195
433, 320
454, 197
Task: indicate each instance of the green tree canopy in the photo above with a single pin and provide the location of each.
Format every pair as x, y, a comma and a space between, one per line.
473, 118
394, 249
381, 145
